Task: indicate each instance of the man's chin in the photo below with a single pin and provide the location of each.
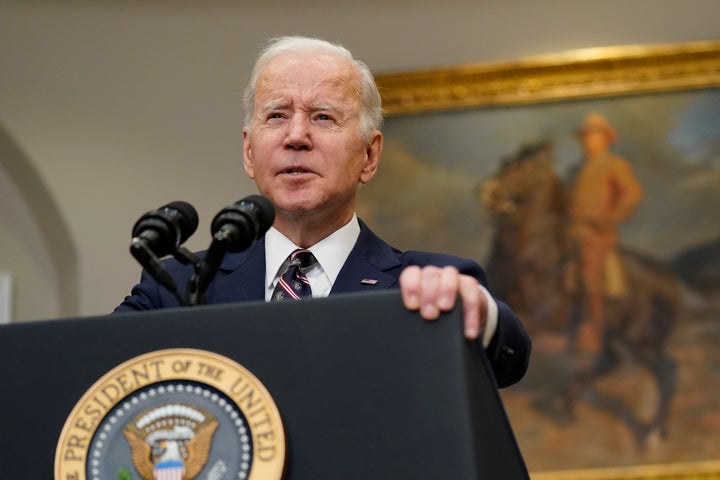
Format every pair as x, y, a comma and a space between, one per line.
296, 208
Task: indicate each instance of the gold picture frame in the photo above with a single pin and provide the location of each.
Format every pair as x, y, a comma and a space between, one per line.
577, 74
583, 73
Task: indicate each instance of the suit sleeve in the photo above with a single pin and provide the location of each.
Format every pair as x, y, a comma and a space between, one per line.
510, 346
148, 294
143, 296
509, 349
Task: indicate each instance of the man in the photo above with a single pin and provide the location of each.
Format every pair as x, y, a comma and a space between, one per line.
605, 194
311, 137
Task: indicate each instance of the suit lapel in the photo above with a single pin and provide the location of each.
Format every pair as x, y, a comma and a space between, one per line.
371, 265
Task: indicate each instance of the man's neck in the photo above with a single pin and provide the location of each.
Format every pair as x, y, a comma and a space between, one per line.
307, 230
597, 153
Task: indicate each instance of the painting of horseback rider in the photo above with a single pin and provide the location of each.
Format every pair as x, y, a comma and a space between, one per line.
555, 257
501, 184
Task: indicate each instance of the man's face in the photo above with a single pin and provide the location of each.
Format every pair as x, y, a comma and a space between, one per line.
595, 140
304, 148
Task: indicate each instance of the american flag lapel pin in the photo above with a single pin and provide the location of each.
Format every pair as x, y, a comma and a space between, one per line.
368, 281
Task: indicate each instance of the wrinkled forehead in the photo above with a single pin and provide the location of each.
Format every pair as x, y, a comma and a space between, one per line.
314, 76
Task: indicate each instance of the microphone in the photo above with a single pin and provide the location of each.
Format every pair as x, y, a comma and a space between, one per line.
234, 229
165, 229
243, 222
159, 233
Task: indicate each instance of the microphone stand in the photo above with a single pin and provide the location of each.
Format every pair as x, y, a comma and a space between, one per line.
142, 252
155, 268
206, 269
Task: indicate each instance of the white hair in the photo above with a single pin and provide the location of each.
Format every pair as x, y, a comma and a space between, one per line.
371, 112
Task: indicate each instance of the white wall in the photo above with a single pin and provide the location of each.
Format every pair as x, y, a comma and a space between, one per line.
122, 106
25, 258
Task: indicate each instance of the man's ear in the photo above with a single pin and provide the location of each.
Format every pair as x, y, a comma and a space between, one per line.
372, 157
247, 154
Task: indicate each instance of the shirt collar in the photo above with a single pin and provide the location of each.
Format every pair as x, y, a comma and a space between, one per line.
330, 252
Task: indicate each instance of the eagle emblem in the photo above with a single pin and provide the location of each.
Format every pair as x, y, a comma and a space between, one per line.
171, 441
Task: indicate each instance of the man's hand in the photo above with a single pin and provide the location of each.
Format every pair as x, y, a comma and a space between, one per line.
432, 290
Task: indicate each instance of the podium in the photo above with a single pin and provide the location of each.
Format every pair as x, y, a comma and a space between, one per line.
365, 388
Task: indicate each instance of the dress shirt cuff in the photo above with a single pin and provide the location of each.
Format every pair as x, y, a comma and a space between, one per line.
492, 318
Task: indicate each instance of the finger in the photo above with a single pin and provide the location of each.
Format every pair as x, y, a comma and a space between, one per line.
474, 307
410, 287
430, 278
448, 288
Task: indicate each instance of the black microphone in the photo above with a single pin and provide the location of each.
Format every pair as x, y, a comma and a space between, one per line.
165, 229
234, 229
243, 222
159, 233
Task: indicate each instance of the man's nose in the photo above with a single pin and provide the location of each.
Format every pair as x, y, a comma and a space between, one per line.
298, 134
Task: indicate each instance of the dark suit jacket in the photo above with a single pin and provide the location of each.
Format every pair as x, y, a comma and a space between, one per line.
241, 277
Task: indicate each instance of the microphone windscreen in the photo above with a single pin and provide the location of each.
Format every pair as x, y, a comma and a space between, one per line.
264, 210
185, 217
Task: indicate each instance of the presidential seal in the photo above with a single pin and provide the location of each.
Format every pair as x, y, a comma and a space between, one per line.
178, 414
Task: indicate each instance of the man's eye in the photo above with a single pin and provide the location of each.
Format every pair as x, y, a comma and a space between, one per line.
274, 115
323, 116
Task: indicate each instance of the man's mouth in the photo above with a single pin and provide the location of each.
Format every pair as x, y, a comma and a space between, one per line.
295, 171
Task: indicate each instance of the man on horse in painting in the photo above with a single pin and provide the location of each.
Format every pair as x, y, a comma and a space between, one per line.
605, 194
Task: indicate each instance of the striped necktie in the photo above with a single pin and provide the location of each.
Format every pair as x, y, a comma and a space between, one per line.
293, 284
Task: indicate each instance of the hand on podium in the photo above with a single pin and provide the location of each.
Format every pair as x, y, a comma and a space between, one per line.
432, 290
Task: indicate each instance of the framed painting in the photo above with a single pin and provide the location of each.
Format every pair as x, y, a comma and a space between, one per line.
491, 162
